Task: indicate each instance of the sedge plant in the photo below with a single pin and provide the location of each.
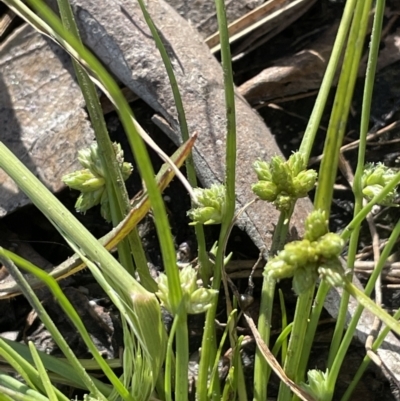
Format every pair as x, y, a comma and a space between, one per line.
154, 362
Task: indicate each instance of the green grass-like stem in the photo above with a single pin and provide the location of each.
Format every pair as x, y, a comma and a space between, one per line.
21, 367
348, 336
209, 342
295, 347
70, 311
50, 390
17, 391
338, 119
376, 200
205, 266
357, 185
329, 76
365, 362
367, 303
117, 193
261, 367
284, 327
64, 371
333, 142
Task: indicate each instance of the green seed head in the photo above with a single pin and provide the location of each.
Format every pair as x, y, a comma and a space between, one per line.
83, 180
332, 272
200, 300
262, 170
374, 179
296, 163
211, 205
330, 245
87, 200
265, 190
318, 385
284, 202
91, 180
277, 269
197, 299
89, 158
304, 182
298, 253
282, 175
316, 225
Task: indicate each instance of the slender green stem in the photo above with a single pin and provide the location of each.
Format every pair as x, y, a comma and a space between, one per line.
169, 361
369, 304
296, 342
49, 389
182, 358
63, 371
214, 374
209, 342
358, 10
364, 364
208, 349
340, 111
329, 76
205, 270
261, 367
28, 373
284, 328
181, 383
344, 302
337, 363
281, 341
315, 314
230, 167
66, 305
117, 190
357, 185
12, 389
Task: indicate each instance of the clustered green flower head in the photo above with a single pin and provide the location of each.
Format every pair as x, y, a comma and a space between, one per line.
316, 255
211, 205
91, 182
374, 179
283, 182
197, 299
317, 386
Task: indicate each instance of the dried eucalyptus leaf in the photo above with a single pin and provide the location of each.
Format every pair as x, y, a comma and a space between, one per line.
41, 113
